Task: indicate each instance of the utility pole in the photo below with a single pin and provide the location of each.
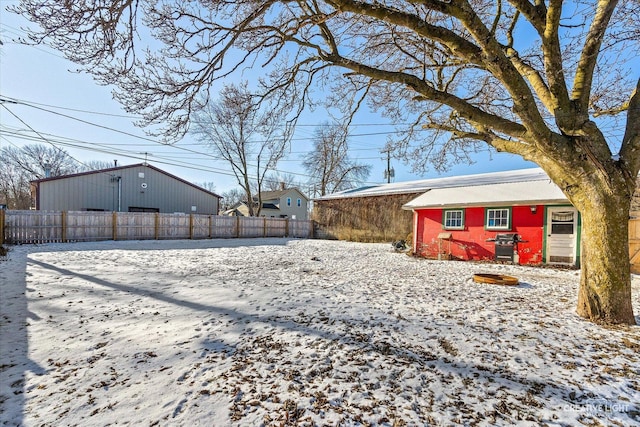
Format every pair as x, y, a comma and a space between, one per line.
389, 172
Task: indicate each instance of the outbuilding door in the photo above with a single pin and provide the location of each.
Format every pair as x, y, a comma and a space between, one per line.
562, 235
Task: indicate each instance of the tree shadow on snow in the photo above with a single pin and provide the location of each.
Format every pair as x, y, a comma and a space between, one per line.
163, 245
524, 285
14, 349
524, 387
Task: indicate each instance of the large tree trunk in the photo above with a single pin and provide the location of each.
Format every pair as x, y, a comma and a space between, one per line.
605, 284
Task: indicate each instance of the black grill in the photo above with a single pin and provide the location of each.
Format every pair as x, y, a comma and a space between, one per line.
506, 245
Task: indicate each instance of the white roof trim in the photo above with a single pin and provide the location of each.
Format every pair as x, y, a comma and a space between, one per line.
420, 186
541, 191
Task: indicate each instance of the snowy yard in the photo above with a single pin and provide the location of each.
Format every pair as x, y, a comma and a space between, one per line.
277, 332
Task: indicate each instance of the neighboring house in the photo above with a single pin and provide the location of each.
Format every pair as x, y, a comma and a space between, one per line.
287, 203
460, 218
133, 188
367, 214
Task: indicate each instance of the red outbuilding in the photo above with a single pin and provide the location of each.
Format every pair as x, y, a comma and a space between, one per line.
516, 216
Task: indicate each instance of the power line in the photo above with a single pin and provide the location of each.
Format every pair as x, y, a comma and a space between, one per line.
2, 103
128, 153
110, 129
19, 32
15, 101
123, 153
110, 148
181, 147
34, 103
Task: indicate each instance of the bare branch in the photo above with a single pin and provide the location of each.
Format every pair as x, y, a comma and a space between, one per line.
454, 42
535, 14
554, 69
588, 60
497, 63
250, 139
422, 59
536, 80
329, 164
629, 152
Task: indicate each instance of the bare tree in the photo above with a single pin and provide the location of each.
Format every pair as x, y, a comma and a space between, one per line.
21, 165
279, 181
207, 185
329, 164
14, 186
248, 136
232, 197
526, 77
94, 165
40, 161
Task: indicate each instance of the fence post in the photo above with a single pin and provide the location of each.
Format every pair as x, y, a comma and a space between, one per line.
264, 227
2, 226
237, 226
156, 225
114, 226
210, 226
286, 227
63, 219
190, 226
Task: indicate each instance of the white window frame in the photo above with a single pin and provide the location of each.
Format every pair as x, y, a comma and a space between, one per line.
502, 219
446, 219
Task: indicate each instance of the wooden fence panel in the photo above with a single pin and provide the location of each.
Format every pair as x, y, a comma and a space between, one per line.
634, 241
135, 226
301, 229
252, 227
224, 226
200, 226
52, 227
173, 226
275, 227
33, 227
88, 226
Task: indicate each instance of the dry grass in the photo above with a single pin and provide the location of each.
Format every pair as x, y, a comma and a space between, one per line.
365, 219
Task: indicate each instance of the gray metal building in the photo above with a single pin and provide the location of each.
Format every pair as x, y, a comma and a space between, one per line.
133, 188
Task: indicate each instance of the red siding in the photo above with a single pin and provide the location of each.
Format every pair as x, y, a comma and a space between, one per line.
471, 243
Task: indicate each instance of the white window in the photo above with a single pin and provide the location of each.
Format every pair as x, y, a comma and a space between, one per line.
498, 219
454, 219
288, 201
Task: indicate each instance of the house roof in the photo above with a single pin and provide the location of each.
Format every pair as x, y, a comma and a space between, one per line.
118, 168
268, 195
530, 191
423, 185
272, 195
265, 205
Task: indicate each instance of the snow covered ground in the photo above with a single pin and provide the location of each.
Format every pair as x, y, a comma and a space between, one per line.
278, 332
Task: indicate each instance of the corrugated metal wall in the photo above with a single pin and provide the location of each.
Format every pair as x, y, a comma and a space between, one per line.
138, 187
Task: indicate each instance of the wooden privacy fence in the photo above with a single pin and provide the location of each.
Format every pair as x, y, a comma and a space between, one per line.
634, 241
55, 227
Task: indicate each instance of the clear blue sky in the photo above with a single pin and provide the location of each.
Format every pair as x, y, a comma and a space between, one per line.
76, 114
